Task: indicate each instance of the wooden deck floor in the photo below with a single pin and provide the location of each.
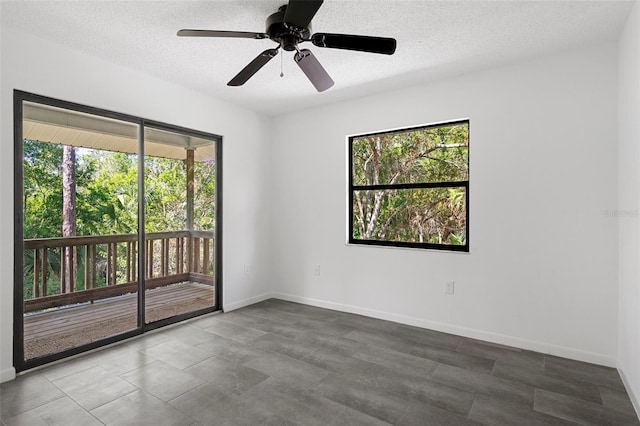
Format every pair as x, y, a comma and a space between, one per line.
56, 330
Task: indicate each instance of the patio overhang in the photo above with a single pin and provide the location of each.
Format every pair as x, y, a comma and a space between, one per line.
65, 127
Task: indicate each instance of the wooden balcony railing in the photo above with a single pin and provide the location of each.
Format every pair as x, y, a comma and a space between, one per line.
104, 266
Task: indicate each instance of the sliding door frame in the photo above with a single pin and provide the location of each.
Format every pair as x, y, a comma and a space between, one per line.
19, 97
218, 221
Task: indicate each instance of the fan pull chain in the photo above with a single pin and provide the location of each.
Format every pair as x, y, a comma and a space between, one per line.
281, 65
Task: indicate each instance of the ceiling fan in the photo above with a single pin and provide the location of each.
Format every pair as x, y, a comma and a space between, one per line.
290, 26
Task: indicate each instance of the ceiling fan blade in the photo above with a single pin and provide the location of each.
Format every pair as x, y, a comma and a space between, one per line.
313, 70
226, 34
299, 13
383, 45
253, 67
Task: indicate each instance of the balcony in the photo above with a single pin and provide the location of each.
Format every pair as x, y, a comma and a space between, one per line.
101, 300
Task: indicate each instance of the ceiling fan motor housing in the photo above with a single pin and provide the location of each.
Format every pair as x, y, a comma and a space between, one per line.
287, 36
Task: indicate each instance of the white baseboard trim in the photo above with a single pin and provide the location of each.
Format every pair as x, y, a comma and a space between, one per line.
547, 348
635, 400
7, 375
232, 306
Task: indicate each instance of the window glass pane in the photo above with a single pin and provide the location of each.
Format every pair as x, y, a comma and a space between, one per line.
435, 154
180, 194
80, 204
434, 215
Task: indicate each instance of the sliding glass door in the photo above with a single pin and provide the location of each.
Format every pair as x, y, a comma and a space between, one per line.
116, 227
180, 193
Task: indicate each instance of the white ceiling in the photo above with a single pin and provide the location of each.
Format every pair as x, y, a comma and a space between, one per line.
435, 38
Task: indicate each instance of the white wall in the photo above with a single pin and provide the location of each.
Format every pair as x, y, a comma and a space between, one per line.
44, 68
629, 197
542, 271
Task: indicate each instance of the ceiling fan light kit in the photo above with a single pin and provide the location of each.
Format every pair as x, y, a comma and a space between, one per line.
290, 26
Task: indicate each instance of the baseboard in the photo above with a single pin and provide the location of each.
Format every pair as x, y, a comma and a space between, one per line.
635, 400
228, 307
547, 348
8, 374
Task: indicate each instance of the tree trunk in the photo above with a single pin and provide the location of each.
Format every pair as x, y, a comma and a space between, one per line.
69, 214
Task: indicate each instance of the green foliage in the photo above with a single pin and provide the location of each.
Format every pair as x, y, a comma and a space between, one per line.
429, 215
166, 198
42, 189
112, 196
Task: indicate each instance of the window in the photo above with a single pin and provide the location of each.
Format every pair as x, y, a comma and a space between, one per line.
410, 187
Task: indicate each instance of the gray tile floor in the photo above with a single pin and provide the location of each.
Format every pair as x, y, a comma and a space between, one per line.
281, 363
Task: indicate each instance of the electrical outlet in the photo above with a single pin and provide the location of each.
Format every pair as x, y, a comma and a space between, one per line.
316, 269
449, 287
247, 270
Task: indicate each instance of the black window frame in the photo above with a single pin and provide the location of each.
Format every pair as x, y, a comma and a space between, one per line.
423, 185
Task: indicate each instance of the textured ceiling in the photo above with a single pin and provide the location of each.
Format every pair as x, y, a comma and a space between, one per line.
435, 38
